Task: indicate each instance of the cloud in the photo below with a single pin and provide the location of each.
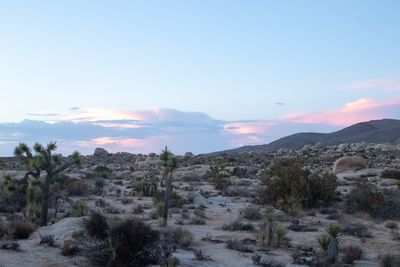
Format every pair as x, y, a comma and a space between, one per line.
43, 114
379, 84
363, 109
150, 130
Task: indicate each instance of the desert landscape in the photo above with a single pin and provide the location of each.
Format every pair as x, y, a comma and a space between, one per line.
321, 205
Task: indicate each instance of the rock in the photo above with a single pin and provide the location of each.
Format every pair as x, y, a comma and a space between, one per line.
61, 230
188, 154
349, 163
199, 199
100, 152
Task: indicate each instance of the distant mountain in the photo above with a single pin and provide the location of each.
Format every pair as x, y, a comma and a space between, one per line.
376, 131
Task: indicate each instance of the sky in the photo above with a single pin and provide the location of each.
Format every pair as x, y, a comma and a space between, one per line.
197, 76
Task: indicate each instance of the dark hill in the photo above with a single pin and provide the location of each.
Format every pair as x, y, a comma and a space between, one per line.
376, 131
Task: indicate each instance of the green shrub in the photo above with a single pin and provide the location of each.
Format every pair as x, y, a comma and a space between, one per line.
129, 242
379, 203
76, 187
178, 237
391, 174
19, 229
96, 226
351, 254
291, 185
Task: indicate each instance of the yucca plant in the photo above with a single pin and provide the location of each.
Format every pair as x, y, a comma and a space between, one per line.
335, 232
324, 241
270, 228
280, 233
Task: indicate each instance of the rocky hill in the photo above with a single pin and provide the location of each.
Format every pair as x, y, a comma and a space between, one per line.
376, 131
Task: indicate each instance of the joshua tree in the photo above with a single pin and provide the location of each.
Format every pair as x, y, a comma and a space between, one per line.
170, 163
335, 232
44, 160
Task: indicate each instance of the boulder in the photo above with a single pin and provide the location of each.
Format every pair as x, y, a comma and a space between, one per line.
349, 163
100, 152
199, 199
61, 230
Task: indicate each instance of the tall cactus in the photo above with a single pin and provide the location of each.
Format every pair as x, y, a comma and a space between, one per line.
170, 163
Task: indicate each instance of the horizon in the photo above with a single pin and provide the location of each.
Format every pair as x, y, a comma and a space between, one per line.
135, 76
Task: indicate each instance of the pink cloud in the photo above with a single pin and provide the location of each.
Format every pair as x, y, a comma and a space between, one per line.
363, 109
254, 127
385, 84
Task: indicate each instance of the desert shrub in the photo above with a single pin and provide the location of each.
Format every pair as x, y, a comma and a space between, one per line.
103, 171
259, 260
198, 212
251, 213
197, 221
69, 248
238, 226
76, 187
99, 184
288, 180
200, 256
80, 208
47, 239
96, 226
389, 260
146, 188
129, 242
351, 254
160, 209
391, 174
357, 229
379, 203
12, 199
178, 237
176, 199
19, 229
391, 225
238, 245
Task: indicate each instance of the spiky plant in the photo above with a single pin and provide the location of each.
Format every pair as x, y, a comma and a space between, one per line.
270, 228
324, 240
335, 232
170, 163
280, 233
44, 159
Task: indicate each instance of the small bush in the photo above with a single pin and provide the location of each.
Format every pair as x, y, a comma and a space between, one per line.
379, 203
77, 188
351, 254
259, 260
391, 225
176, 200
19, 229
391, 174
200, 256
178, 237
238, 226
238, 245
129, 242
69, 248
357, 229
97, 226
251, 213
388, 260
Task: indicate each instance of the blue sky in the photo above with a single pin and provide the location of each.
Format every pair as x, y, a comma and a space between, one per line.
232, 61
